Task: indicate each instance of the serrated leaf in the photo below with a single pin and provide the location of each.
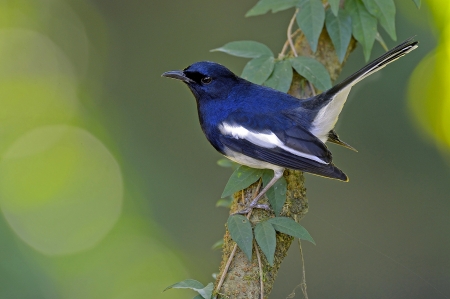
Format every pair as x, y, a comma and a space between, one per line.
384, 10
312, 70
364, 25
334, 4
258, 69
263, 6
277, 193
224, 202
240, 179
417, 3
217, 245
310, 19
241, 232
206, 292
266, 238
186, 284
246, 48
340, 31
288, 226
281, 77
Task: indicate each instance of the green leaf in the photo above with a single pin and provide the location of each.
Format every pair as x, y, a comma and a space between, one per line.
186, 284
241, 232
263, 6
380, 39
198, 297
310, 19
258, 69
340, 31
281, 77
224, 202
240, 179
225, 162
246, 48
217, 245
384, 10
288, 226
266, 239
364, 25
418, 3
334, 4
277, 193
206, 292
312, 70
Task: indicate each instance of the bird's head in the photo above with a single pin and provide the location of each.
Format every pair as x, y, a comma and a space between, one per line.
207, 80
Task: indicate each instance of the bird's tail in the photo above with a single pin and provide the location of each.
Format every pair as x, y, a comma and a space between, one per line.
376, 65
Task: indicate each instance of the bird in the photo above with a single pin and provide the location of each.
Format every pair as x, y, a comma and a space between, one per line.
263, 128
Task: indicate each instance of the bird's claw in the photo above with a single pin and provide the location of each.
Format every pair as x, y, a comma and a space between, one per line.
249, 208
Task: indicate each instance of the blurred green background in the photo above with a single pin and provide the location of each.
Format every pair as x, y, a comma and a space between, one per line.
108, 186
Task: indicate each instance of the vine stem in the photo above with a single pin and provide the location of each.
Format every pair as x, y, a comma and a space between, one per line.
233, 252
303, 284
289, 35
261, 283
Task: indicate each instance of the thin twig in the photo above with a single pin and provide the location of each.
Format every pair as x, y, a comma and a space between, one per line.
303, 284
312, 88
225, 270
233, 252
261, 283
291, 43
286, 44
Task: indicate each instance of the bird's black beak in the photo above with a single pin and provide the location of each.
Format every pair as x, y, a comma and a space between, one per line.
177, 75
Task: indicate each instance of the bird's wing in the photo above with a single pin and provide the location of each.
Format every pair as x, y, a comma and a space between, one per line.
267, 138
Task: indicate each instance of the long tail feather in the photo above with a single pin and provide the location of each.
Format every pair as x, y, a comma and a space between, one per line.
376, 65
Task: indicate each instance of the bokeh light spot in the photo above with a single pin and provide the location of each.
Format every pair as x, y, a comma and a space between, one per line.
61, 189
37, 84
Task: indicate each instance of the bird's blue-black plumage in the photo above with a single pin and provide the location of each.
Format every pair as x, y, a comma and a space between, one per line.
261, 127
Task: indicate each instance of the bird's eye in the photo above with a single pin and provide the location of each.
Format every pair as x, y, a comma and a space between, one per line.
206, 80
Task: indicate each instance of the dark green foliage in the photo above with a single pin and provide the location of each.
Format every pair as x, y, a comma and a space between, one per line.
266, 239
384, 10
364, 25
281, 77
263, 6
246, 49
334, 5
310, 20
277, 193
258, 69
241, 178
203, 292
288, 226
241, 232
312, 70
340, 31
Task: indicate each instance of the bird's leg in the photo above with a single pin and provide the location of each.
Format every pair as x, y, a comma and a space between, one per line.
254, 204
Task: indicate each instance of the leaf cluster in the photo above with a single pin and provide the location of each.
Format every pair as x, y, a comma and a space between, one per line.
204, 292
342, 19
242, 233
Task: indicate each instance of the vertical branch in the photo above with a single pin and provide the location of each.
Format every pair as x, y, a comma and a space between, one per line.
242, 279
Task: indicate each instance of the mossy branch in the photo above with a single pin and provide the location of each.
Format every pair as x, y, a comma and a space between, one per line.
242, 280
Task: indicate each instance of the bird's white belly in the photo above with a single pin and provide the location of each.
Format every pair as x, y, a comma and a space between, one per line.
250, 162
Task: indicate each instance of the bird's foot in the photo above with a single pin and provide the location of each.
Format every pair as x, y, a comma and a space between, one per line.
250, 207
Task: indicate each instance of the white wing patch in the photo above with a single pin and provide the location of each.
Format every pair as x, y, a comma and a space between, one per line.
266, 140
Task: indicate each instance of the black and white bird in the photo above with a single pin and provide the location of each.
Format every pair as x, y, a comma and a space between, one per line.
264, 128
